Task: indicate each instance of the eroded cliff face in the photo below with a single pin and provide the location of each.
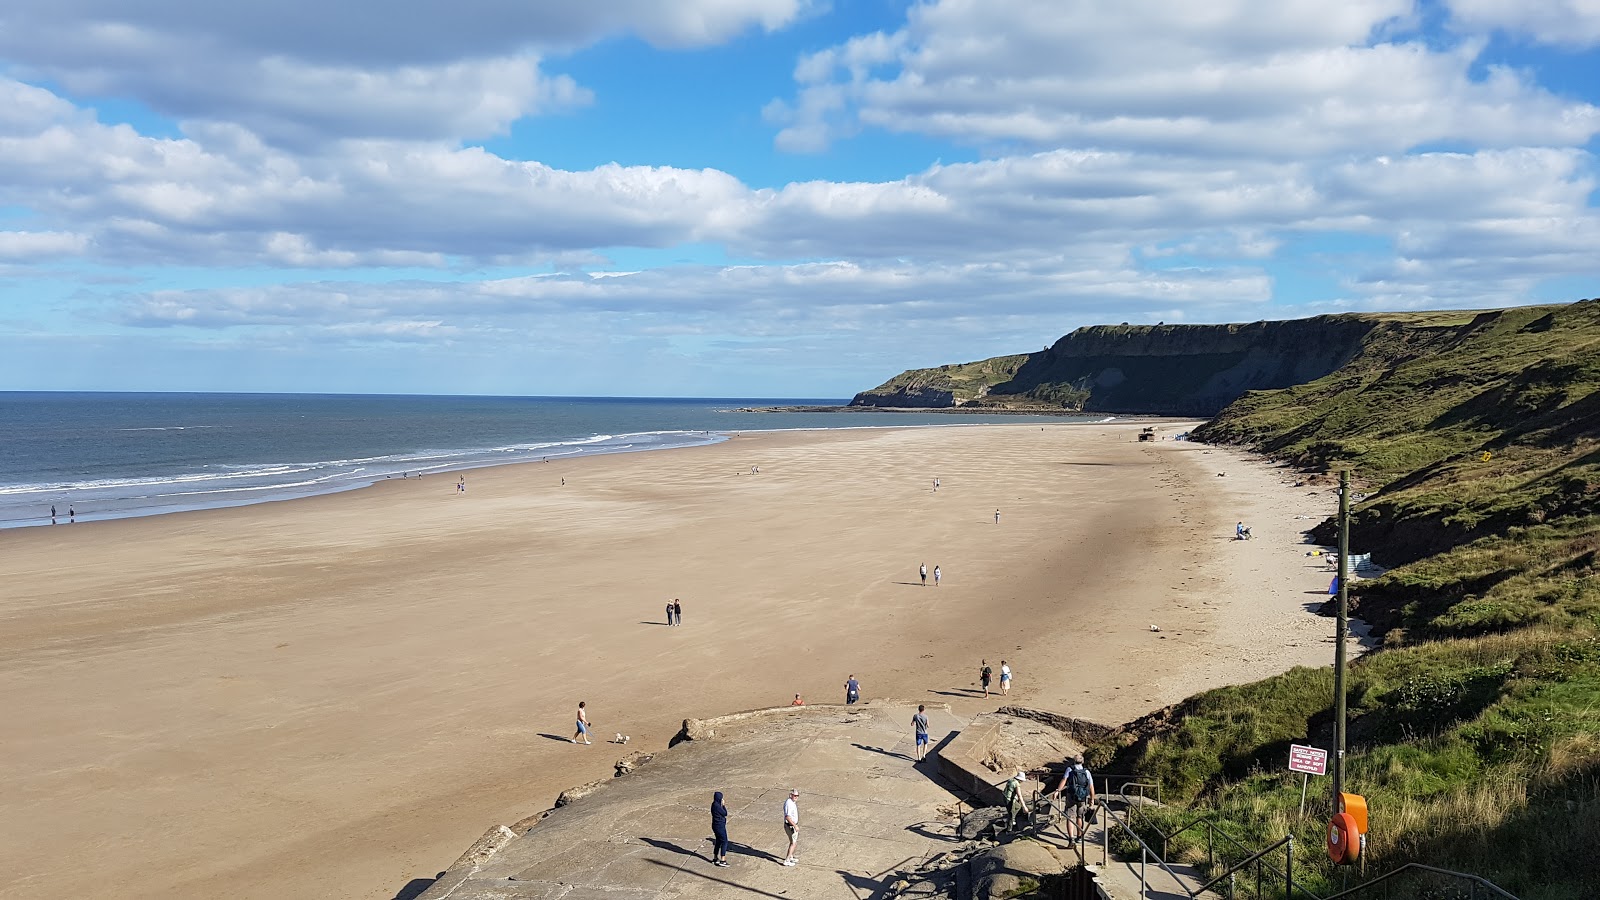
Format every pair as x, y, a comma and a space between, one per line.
1153, 369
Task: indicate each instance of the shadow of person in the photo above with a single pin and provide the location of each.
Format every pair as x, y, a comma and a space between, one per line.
880, 750
747, 850
668, 845
556, 737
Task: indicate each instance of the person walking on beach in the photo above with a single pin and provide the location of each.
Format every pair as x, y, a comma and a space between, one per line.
852, 690
921, 570
669, 613
52, 515
935, 576
583, 724
919, 725
791, 827
677, 612
719, 831
72, 514
997, 517
984, 675
1005, 678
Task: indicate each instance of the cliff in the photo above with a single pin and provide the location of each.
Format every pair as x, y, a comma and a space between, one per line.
1152, 369
1475, 726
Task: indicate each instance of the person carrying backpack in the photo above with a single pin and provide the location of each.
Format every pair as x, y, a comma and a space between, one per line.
1077, 787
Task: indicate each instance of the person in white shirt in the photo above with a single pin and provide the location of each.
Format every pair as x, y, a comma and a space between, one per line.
1005, 678
791, 827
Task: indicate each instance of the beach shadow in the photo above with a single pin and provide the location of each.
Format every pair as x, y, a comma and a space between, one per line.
709, 877
415, 887
747, 850
668, 845
958, 692
940, 831
883, 751
874, 887
556, 737
655, 623
909, 583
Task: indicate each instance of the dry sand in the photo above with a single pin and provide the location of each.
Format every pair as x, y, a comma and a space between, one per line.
331, 697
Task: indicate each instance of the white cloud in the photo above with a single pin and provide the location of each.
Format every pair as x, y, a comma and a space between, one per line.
1251, 78
303, 71
1564, 23
28, 246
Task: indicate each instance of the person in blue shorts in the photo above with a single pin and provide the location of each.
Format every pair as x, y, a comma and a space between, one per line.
919, 724
852, 690
583, 724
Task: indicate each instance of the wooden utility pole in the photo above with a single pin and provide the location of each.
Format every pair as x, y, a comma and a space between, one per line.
1341, 635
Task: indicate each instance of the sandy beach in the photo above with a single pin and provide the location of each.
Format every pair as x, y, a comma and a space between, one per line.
331, 697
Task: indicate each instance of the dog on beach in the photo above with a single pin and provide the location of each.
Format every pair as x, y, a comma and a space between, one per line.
621, 738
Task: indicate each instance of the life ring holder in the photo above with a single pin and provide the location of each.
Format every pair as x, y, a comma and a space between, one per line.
1344, 839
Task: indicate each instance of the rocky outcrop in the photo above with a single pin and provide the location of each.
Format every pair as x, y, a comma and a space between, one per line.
1141, 369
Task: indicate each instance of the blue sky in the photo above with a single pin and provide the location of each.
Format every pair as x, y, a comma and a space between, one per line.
758, 197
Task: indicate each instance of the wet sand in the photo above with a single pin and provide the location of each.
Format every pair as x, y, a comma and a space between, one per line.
331, 697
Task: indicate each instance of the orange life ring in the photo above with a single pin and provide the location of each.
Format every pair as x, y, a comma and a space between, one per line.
1344, 841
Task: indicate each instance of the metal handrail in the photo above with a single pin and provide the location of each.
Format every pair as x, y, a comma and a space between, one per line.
1113, 817
1476, 879
1212, 830
1287, 839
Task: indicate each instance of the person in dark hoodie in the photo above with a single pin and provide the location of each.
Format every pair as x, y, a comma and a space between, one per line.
719, 831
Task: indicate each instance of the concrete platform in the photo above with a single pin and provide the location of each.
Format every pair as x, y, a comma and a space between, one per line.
867, 812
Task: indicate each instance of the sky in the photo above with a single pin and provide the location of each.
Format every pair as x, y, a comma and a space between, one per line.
758, 198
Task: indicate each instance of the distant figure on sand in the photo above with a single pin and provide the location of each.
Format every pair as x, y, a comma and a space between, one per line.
1241, 532
677, 613
852, 690
719, 831
936, 576
791, 827
797, 701
919, 725
997, 517
1005, 678
921, 570
583, 724
669, 612
984, 675
72, 514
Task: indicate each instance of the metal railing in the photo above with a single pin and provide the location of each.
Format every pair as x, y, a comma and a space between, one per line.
1252, 858
1146, 854
1490, 889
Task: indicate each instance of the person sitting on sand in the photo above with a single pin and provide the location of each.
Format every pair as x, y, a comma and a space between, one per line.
797, 701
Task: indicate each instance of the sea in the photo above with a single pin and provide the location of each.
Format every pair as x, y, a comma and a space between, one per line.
94, 456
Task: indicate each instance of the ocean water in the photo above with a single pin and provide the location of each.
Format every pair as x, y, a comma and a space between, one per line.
113, 455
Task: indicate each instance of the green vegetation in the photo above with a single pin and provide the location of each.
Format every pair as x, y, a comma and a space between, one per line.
1475, 727
963, 381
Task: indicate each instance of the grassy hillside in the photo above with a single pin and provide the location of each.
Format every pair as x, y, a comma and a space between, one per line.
1475, 728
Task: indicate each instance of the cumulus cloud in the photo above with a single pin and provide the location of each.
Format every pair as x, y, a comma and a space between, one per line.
1565, 23
1258, 78
29, 246
301, 71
